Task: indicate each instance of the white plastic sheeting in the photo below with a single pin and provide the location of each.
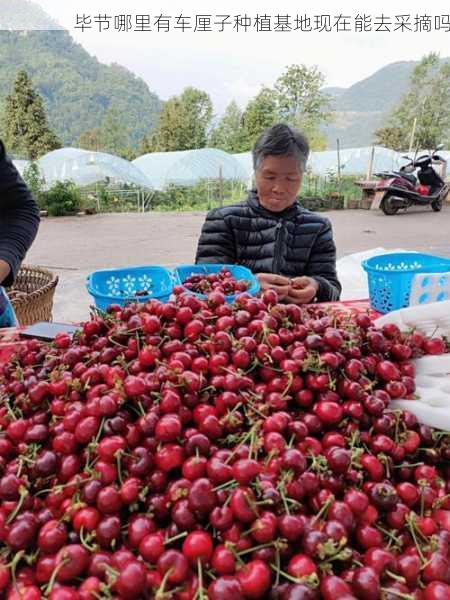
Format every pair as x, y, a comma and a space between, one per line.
161, 169
87, 167
21, 165
431, 403
189, 167
353, 161
245, 159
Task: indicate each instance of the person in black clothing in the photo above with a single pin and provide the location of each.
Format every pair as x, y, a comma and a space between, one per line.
289, 248
19, 222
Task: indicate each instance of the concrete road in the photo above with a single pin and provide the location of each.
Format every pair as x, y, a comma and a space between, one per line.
75, 246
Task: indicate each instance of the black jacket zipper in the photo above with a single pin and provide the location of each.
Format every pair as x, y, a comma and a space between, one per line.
279, 235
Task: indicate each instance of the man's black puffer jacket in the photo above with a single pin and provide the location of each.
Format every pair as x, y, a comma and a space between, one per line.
294, 242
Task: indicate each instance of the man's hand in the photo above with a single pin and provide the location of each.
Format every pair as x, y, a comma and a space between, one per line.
4, 270
302, 290
275, 282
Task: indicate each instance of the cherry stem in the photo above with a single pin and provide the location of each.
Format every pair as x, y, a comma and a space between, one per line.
324, 509
54, 575
84, 541
390, 535
112, 574
398, 594
200, 591
412, 529
282, 491
106, 592
244, 439
254, 409
255, 548
100, 431
223, 486
58, 488
118, 456
277, 565
13, 565
231, 547
13, 514
9, 410
395, 577
406, 465
175, 538
253, 452
284, 574
160, 591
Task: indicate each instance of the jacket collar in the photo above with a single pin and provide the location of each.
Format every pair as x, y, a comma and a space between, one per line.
253, 202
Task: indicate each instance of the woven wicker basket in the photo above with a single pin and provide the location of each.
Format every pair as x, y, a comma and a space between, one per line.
32, 294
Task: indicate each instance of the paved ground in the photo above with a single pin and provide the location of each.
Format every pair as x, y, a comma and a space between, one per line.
75, 246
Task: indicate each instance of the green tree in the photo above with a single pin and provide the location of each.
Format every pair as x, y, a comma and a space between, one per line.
34, 180
128, 153
300, 101
230, 135
260, 113
427, 103
392, 136
112, 137
145, 145
90, 140
182, 124
26, 129
114, 134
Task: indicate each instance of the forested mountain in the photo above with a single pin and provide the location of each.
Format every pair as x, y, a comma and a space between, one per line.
77, 89
363, 107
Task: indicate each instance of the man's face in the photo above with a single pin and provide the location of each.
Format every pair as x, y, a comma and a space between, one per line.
278, 181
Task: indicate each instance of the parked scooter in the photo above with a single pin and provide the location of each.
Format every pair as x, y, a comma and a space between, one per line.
401, 189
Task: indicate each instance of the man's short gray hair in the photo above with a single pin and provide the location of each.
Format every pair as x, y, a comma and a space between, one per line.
281, 140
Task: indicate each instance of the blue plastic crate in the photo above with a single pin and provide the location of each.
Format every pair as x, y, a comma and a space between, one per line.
120, 286
182, 272
390, 277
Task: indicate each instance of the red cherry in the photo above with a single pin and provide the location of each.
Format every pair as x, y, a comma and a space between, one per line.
366, 583
198, 546
226, 588
255, 578
301, 565
437, 590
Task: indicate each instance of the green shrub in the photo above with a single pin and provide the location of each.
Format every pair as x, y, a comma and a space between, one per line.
63, 198
329, 187
88, 204
203, 196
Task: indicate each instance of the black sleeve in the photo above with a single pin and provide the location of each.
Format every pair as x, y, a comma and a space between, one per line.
322, 266
216, 243
19, 216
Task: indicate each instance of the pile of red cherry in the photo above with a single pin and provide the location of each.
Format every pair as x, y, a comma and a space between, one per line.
223, 281
197, 449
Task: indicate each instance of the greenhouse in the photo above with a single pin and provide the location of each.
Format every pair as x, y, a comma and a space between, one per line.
159, 170
85, 167
21, 165
245, 159
353, 161
189, 167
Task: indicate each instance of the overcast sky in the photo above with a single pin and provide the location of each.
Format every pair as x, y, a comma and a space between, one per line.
235, 65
